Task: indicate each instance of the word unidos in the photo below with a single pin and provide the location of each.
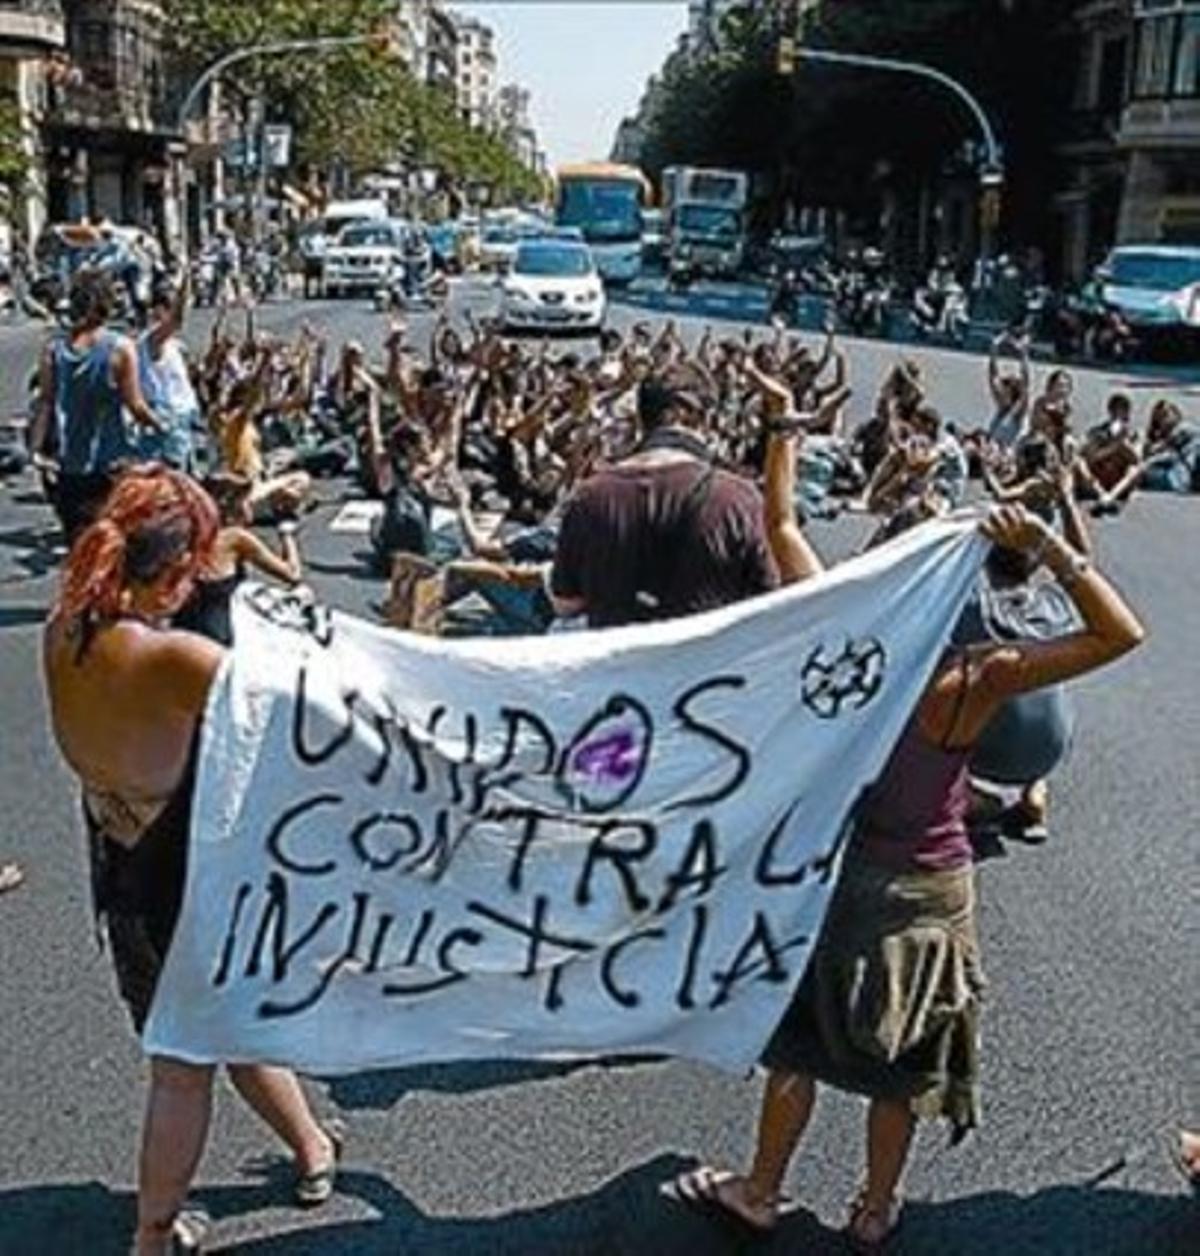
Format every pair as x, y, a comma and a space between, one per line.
434, 795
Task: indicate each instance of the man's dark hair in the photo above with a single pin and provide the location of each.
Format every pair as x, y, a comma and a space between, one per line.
432, 377
929, 418
655, 398
90, 299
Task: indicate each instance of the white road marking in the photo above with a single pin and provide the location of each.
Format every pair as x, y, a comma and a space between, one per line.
356, 518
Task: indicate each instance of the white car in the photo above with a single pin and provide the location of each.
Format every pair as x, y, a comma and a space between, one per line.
1156, 287
367, 256
553, 284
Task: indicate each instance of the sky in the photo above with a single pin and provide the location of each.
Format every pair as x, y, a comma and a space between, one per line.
585, 62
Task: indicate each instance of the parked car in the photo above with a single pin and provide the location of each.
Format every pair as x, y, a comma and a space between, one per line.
553, 284
1156, 290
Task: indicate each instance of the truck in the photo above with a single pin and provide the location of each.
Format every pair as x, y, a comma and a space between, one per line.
706, 218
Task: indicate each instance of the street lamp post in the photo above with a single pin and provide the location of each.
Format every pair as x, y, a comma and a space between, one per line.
330, 43
991, 177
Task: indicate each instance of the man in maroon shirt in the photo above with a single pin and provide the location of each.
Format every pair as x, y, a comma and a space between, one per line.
662, 533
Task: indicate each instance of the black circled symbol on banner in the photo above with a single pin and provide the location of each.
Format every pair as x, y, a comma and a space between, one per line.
850, 678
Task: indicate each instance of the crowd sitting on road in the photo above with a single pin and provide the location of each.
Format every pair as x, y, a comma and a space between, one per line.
520, 490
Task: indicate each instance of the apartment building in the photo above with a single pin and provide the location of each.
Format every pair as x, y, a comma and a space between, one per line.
109, 125
515, 124
1131, 146
478, 87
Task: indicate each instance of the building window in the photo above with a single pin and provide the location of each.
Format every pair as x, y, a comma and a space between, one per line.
1187, 70
1156, 43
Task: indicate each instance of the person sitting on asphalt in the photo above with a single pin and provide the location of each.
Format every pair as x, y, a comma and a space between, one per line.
1050, 416
236, 551
272, 496
1010, 392
1110, 461
889, 1004
1171, 456
127, 696
924, 475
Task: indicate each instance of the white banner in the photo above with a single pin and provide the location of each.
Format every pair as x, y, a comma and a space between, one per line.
406, 849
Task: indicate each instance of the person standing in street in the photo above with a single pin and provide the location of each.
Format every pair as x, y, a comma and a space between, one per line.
127, 695
664, 532
165, 381
889, 1004
88, 383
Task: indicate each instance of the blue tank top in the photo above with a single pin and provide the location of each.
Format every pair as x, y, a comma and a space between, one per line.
92, 433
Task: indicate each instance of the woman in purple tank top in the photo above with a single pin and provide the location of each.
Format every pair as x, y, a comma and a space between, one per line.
888, 1007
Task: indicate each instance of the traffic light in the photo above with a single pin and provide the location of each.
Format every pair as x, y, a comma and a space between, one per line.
383, 40
787, 55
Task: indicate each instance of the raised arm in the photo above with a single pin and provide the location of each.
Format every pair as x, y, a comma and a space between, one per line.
794, 556
285, 566
125, 375
39, 430
1110, 628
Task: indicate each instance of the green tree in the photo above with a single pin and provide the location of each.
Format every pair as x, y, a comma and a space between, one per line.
827, 134
14, 159
357, 106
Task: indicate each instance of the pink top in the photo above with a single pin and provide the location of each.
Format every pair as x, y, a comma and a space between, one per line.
916, 815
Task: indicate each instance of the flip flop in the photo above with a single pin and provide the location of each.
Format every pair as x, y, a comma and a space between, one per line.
189, 1232
1188, 1168
11, 876
700, 1190
876, 1246
316, 1188
1016, 823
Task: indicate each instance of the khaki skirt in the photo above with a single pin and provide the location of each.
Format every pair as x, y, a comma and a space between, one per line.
889, 1004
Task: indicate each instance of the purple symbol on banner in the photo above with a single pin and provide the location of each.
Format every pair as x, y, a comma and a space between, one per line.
611, 759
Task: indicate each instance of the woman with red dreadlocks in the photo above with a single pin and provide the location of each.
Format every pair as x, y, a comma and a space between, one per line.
127, 697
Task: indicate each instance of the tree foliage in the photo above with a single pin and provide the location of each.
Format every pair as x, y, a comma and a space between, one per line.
14, 159
824, 135
358, 106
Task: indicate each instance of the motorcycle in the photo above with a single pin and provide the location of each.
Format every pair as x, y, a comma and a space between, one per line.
204, 280
943, 313
680, 273
784, 308
861, 303
412, 286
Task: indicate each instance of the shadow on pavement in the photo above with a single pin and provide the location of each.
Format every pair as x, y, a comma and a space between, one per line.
626, 1216
38, 549
383, 1088
1057, 1221
21, 616
362, 566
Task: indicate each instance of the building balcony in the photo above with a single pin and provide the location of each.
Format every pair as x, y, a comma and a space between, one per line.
31, 28
108, 101
1090, 131
1161, 124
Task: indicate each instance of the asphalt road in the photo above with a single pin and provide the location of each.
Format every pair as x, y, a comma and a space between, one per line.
1090, 943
